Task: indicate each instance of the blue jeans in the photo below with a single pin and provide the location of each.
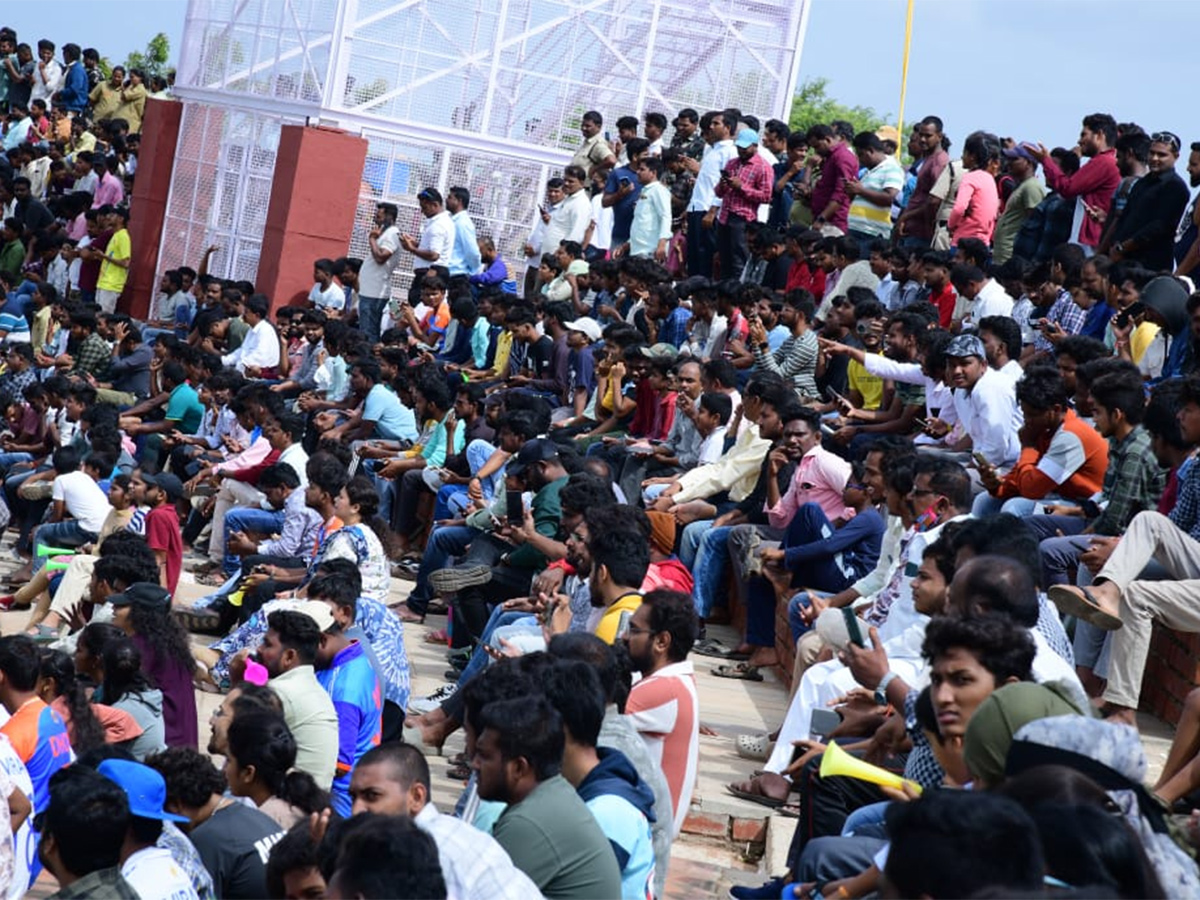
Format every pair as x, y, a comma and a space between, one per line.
370, 313
245, 518
708, 565
808, 525
443, 545
451, 498
68, 533
796, 606
499, 618
1021, 507
8, 460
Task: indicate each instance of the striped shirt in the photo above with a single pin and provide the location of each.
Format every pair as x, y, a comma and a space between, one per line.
664, 709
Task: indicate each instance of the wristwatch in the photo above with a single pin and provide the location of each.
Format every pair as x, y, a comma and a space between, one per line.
881, 691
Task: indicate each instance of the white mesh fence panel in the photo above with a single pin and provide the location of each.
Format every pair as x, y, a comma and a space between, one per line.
486, 94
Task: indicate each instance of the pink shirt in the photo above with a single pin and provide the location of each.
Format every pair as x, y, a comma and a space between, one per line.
976, 207
820, 478
108, 191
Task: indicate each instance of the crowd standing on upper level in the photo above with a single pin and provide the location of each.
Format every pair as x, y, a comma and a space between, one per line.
931, 422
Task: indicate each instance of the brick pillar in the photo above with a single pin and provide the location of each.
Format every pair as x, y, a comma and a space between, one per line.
151, 188
314, 196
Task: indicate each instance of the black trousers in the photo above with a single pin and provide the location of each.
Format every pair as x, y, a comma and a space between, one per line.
473, 605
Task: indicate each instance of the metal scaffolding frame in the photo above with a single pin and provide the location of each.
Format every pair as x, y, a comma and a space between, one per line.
486, 93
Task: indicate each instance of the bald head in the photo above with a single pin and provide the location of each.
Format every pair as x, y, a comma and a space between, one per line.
994, 585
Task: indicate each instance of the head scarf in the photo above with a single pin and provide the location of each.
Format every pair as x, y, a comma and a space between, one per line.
662, 531
991, 729
1112, 756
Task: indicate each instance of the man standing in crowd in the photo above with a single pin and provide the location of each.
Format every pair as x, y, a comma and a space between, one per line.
701, 221
1093, 185
434, 247
375, 276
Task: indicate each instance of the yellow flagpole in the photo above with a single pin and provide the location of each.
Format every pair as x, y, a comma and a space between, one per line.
900, 142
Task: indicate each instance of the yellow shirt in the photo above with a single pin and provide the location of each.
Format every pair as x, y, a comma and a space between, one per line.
868, 385
503, 352
1141, 339
112, 276
612, 624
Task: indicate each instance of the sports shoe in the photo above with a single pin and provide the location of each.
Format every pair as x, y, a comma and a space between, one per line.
422, 705
451, 581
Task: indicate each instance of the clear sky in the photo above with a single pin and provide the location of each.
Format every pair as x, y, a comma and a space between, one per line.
1028, 69
114, 27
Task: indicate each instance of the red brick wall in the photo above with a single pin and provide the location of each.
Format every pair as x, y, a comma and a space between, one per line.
1172, 671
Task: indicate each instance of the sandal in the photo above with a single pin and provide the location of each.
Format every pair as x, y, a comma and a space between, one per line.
437, 607
739, 671
437, 637
460, 772
215, 578
753, 746
1082, 604
768, 789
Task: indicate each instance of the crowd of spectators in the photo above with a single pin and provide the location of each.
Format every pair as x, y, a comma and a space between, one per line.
932, 415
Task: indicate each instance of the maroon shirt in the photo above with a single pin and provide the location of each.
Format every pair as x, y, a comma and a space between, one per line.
839, 167
920, 216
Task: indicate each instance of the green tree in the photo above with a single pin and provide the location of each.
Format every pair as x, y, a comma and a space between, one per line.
812, 105
153, 60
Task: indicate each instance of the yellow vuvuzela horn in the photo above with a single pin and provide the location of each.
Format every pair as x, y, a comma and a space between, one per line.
835, 761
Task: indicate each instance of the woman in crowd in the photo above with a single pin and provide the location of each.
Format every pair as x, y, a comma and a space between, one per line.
260, 765
143, 611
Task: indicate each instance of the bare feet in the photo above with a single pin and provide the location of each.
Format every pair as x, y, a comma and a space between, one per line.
763, 657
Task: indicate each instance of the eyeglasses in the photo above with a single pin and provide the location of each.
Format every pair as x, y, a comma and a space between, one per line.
854, 486
633, 629
1166, 137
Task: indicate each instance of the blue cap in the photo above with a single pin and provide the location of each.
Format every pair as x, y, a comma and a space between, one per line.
146, 789
747, 137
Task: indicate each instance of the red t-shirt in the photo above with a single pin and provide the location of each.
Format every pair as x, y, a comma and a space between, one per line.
162, 533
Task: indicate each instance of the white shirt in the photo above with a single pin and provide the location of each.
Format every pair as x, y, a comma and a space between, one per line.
992, 300
153, 872
602, 224
332, 297
704, 191
296, 457
1012, 371
86, 183
46, 83
437, 234
260, 348
569, 222
474, 864
991, 417
375, 278
83, 499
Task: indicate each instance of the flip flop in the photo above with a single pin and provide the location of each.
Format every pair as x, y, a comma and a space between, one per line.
740, 671
754, 790
459, 772
437, 637
1082, 604
789, 811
